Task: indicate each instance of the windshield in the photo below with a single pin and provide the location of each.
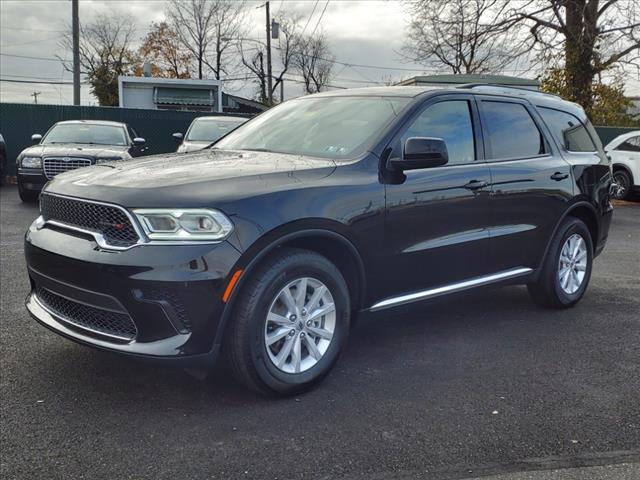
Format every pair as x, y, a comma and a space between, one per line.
210, 130
86, 133
331, 127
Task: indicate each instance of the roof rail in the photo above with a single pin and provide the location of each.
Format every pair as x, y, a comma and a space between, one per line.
513, 87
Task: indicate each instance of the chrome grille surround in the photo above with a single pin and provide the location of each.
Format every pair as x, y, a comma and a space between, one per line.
111, 225
115, 325
55, 165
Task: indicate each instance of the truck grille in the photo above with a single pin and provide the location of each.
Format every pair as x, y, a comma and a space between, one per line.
95, 320
54, 165
110, 221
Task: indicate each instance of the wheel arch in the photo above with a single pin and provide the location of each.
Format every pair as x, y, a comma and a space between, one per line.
584, 211
327, 242
621, 166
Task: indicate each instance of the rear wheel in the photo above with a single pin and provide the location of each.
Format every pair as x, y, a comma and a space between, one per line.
566, 270
623, 180
290, 323
27, 195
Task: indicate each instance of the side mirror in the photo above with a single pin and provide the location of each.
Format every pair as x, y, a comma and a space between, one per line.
36, 137
178, 137
138, 142
421, 152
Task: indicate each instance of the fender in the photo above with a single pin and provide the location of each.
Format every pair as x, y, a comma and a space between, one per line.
622, 166
266, 250
566, 213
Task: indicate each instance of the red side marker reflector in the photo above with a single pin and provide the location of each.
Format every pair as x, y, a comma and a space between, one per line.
232, 283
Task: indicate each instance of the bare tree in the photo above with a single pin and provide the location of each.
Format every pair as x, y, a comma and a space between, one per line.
591, 36
105, 54
286, 47
463, 36
314, 61
207, 29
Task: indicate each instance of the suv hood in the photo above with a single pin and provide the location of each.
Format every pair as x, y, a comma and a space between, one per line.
193, 179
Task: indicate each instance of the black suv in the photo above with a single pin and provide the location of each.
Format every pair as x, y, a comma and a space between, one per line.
73, 144
267, 245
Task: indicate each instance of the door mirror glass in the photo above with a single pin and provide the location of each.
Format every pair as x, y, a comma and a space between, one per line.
178, 137
138, 141
421, 152
36, 137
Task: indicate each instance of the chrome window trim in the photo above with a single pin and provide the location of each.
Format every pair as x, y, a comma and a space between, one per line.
143, 240
451, 288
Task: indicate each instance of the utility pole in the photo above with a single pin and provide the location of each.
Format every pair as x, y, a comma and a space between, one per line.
35, 97
76, 51
269, 79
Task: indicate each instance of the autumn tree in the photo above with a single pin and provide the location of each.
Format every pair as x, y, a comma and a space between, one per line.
167, 56
105, 54
207, 30
461, 36
593, 36
609, 104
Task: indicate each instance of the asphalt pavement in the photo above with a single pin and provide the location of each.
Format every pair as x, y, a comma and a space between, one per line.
485, 383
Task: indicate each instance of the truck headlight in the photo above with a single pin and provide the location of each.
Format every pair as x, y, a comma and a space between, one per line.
31, 162
184, 224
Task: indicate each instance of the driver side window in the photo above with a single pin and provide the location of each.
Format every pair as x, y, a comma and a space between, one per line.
451, 121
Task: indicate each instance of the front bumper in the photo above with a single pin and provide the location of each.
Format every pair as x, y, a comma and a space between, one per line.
31, 179
170, 295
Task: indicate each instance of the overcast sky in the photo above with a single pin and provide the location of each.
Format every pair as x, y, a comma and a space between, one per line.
359, 32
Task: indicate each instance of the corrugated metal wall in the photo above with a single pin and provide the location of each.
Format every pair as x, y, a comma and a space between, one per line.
18, 121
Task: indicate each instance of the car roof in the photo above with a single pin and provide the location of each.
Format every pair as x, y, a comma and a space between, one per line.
92, 122
534, 96
220, 117
621, 138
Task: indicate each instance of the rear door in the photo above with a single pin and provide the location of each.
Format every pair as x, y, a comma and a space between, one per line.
531, 182
436, 218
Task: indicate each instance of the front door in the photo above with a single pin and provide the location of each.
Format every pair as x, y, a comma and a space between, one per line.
437, 217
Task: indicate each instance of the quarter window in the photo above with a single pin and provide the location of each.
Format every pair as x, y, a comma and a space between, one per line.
568, 130
450, 121
511, 132
630, 145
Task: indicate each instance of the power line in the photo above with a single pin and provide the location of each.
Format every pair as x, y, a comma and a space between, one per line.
33, 41
34, 30
309, 19
37, 82
320, 19
48, 59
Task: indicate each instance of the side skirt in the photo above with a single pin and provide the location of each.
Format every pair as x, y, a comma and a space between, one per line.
451, 288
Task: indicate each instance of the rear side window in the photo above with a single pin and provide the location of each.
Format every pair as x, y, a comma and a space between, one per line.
511, 132
630, 145
567, 130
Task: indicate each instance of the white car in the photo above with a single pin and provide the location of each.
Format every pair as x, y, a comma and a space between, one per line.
624, 151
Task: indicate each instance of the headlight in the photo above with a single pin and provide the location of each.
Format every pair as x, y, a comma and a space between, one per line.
107, 159
31, 162
186, 225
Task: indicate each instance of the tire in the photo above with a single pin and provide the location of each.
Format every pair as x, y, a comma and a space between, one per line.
550, 290
261, 315
623, 179
27, 195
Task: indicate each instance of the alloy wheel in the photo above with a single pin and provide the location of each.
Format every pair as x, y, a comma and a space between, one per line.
572, 265
300, 325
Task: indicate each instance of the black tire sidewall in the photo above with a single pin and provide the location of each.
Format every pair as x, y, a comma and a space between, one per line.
563, 297
627, 183
320, 269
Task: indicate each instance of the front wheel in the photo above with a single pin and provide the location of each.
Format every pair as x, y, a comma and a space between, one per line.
566, 270
290, 323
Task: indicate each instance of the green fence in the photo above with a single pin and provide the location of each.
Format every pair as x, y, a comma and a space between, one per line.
18, 121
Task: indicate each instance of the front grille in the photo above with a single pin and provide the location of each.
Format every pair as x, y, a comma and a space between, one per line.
53, 165
94, 319
110, 221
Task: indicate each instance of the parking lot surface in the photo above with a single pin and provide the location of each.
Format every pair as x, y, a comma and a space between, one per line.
485, 383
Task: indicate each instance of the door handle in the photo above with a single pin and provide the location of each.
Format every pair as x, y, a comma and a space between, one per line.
559, 176
476, 185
